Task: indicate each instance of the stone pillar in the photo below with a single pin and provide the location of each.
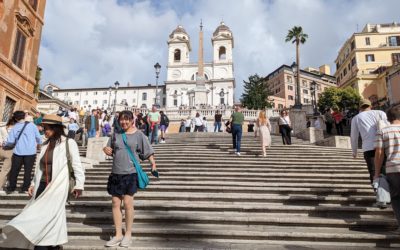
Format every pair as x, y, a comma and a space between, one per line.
298, 120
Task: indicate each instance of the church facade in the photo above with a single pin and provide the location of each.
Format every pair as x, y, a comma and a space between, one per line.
210, 84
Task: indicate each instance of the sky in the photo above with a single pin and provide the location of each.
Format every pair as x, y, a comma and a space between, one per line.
93, 43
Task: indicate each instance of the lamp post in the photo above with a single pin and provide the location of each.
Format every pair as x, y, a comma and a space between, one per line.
157, 68
313, 88
109, 98
116, 84
296, 74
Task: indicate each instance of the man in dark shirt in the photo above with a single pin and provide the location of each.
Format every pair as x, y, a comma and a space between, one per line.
217, 122
237, 120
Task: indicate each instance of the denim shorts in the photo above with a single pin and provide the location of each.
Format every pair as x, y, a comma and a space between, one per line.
163, 128
122, 184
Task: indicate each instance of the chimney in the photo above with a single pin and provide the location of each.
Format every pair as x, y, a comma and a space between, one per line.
325, 69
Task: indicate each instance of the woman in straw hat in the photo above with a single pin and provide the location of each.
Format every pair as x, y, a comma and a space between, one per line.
42, 223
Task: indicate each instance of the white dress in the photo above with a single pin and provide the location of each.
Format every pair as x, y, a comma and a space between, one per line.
43, 220
265, 133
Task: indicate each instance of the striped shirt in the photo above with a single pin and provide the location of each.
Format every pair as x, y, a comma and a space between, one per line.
388, 138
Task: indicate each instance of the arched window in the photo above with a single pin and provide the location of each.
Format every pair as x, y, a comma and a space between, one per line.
194, 76
222, 53
222, 97
177, 55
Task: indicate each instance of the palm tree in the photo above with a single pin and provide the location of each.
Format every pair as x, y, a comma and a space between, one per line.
297, 36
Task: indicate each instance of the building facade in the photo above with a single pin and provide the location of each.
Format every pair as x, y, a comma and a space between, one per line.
104, 98
282, 85
182, 75
21, 23
393, 84
361, 56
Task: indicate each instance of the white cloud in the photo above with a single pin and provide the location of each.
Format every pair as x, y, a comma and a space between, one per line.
96, 42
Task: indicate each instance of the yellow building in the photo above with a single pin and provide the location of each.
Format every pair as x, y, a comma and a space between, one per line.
363, 54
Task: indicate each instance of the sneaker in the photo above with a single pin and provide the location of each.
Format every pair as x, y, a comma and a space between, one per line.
238, 153
163, 141
113, 242
125, 242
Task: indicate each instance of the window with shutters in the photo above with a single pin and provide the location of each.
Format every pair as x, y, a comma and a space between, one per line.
394, 40
19, 49
396, 58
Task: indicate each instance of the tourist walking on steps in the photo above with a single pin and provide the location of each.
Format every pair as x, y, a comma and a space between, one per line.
188, 124
366, 124
285, 128
5, 155
122, 182
42, 223
264, 131
92, 124
388, 143
338, 118
328, 121
198, 123
217, 122
236, 121
164, 123
153, 119
26, 138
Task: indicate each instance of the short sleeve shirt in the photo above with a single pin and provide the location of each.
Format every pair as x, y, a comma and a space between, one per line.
139, 145
237, 118
389, 139
154, 116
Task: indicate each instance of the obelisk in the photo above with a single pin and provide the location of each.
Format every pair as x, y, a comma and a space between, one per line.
200, 91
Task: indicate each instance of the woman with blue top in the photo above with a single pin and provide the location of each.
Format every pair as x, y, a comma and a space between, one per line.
122, 182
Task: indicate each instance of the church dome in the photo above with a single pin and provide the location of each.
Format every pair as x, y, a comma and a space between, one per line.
222, 28
178, 30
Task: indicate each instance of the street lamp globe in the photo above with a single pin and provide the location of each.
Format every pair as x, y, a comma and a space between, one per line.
157, 67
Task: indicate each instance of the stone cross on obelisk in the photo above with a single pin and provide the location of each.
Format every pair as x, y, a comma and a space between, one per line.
200, 91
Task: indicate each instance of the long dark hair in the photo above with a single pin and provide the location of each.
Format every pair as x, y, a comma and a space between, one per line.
11, 121
56, 138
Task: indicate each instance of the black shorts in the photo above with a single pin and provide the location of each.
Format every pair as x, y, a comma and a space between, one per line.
122, 184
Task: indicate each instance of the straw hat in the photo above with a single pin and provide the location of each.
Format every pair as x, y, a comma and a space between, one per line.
53, 119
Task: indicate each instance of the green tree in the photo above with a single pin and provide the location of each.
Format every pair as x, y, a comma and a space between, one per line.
347, 98
38, 76
255, 93
297, 36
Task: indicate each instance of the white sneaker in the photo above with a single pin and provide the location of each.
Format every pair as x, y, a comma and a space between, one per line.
238, 153
113, 242
163, 141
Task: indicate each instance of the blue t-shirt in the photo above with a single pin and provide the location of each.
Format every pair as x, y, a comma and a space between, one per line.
92, 123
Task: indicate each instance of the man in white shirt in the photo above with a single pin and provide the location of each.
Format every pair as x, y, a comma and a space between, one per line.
366, 124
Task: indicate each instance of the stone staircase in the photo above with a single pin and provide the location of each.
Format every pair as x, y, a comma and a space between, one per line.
298, 197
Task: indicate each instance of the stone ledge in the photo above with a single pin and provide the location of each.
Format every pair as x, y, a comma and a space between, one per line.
336, 141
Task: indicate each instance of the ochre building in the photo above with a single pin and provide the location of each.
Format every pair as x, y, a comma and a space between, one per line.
21, 23
364, 56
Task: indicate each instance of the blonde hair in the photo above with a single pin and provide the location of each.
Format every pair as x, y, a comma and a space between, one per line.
262, 118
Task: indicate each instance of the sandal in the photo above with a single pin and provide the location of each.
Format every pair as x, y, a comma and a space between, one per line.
155, 173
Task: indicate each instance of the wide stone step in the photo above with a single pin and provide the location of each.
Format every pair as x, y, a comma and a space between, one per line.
318, 210
232, 218
238, 233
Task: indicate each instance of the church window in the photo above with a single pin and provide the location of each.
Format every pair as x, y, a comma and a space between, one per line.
222, 96
176, 102
19, 49
177, 55
222, 53
144, 96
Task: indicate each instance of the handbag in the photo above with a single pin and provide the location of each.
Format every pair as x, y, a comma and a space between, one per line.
143, 179
11, 146
71, 175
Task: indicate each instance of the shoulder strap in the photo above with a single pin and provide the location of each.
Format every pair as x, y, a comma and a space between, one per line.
131, 155
69, 162
20, 133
